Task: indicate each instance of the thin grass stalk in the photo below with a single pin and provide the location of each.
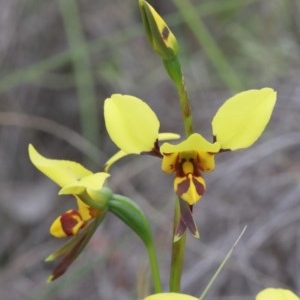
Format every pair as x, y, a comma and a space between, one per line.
33, 73
209, 45
82, 68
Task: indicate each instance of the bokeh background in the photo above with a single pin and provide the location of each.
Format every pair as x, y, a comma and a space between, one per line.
61, 59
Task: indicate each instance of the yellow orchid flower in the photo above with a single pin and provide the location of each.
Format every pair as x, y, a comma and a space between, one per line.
74, 179
70, 222
239, 122
276, 294
170, 296
93, 203
187, 160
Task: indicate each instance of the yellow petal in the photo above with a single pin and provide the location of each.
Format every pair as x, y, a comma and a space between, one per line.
170, 296
87, 212
62, 172
91, 182
194, 142
120, 154
56, 229
167, 136
68, 224
206, 162
84, 209
189, 188
276, 294
169, 162
240, 121
131, 123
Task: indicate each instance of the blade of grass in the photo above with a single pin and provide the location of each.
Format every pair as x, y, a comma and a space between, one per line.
82, 68
204, 293
209, 45
33, 73
51, 127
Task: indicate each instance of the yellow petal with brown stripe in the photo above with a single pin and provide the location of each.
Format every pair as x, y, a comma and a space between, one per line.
189, 188
67, 224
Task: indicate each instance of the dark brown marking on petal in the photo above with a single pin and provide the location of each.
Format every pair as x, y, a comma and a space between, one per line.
187, 217
95, 212
155, 151
196, 169
200, 188
67, 260
178, 168
214, 138
183, 187
221, 150
69, 220
198, 163
187, 114
165, 33
224, 150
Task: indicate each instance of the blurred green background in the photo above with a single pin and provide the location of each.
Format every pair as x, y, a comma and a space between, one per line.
61, 59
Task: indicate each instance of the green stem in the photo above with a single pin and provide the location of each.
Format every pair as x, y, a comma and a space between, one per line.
178, 248
227, 73
177, 259
185, 108
154, 268
173, 68
132, 215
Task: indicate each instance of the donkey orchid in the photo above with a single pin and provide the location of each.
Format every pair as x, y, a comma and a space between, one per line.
239, 122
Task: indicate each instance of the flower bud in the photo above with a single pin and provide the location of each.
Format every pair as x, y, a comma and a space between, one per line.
160, 37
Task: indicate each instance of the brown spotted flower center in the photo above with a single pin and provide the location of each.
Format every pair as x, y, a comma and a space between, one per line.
188, 182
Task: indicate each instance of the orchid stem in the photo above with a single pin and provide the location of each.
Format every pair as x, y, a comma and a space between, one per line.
185, 108
173, 68
178, 247
154, 268
178, 250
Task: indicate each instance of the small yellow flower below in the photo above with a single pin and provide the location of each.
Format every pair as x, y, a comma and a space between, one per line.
276, 294
76, 180
170, 296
